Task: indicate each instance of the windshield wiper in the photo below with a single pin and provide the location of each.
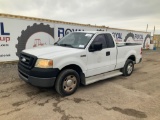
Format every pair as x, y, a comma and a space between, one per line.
66, 45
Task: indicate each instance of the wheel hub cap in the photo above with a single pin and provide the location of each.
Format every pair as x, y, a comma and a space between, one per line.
69, 83
130, 68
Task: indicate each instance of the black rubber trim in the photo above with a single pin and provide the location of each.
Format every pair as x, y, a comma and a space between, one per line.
40, 82
39, 72
44, 72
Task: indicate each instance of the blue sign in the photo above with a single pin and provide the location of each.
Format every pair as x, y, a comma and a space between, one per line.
62, 31
2, 29
117, 35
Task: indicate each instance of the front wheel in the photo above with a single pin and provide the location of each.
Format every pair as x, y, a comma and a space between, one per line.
128, 68
67, 82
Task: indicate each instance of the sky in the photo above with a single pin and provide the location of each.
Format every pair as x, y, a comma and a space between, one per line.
124, 14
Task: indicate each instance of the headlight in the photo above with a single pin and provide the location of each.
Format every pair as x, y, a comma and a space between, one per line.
44, 63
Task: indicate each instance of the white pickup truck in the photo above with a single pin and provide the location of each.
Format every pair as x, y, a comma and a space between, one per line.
78, 58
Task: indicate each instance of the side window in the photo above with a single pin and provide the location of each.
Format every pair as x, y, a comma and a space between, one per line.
100, 38
109, 40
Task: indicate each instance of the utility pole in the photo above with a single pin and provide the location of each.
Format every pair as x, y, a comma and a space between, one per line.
154, 38
147, 28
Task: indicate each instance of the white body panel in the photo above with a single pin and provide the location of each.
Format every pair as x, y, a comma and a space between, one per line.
62, 56
95, 64
125, 52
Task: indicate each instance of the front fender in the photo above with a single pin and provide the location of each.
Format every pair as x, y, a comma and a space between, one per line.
61, 63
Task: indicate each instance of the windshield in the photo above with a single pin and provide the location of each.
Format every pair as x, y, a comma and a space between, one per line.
75, 40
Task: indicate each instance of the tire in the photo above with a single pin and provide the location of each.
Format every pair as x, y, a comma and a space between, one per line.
25, 35
67, 82
128, 68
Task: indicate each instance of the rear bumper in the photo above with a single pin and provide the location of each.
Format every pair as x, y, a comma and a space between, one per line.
140, 60
38, 76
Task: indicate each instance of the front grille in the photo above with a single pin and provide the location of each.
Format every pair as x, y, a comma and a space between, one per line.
27, 60
24, 75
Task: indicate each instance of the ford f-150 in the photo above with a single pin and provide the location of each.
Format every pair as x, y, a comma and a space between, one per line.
78, 58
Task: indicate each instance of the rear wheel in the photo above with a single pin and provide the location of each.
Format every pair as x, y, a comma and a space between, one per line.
128, 68
67, 82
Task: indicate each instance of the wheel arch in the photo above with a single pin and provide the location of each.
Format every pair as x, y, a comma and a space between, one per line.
72, 66
78, 69
132, 57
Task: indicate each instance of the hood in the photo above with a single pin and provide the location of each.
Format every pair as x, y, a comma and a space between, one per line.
48, 51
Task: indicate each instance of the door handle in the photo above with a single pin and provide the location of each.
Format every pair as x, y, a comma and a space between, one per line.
108, 53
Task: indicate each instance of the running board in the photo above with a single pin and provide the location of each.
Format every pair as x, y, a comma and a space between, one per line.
102, 76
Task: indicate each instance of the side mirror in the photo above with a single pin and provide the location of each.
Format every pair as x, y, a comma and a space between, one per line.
95, 47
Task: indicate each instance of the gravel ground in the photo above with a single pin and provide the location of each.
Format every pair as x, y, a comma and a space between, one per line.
120, 98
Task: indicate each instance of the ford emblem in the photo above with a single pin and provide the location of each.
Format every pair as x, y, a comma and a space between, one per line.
23, 59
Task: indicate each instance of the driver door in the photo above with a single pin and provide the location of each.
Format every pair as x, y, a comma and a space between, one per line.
98, 61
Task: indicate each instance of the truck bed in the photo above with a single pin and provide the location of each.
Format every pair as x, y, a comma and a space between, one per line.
127, 44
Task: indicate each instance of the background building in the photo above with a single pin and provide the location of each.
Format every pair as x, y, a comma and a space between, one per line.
156, 40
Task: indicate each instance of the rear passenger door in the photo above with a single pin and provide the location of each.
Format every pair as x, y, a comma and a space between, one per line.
111, 48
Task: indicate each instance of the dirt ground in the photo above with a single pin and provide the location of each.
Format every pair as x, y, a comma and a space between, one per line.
120, 98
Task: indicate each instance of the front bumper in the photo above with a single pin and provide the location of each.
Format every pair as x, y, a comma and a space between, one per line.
41, 77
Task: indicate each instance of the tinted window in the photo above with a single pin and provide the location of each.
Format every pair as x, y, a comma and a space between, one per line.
100, 39
109, 41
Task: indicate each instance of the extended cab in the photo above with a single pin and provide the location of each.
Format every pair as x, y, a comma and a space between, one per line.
78, 58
